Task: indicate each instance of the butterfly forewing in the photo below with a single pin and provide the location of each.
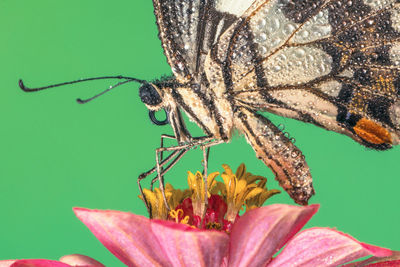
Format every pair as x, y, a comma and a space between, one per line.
331, 63
188, 29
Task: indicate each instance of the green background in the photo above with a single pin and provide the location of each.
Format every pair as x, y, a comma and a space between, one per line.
56, 154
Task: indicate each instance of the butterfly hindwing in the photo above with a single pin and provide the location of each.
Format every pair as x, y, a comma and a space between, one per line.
331, 63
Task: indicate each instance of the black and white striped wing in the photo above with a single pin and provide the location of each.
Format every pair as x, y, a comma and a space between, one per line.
188, 28
334, 63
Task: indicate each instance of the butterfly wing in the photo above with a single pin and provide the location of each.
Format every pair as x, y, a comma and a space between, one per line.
189, 28
332, 63
328, 62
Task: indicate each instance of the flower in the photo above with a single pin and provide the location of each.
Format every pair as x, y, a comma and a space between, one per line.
215, 206
74, 260
201, 226
253, 241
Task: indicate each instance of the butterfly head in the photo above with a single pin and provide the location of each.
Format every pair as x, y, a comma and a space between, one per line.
151, 96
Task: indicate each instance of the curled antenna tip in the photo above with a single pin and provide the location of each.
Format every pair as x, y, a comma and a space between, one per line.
21, 85
80, 101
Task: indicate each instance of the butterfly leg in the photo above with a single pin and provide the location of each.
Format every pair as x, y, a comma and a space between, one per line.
206, 156
206, 152
205, 160
160, 176
163, 137
166, 136
183, 148
177, 154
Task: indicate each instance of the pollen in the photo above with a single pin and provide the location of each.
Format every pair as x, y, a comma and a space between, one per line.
213, 226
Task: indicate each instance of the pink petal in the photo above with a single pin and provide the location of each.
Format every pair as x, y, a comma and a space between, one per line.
6, 263
127, 236
324, 247
74, 260
391, 261
395, 263
80, 260
38, 263
261, 232
191, 247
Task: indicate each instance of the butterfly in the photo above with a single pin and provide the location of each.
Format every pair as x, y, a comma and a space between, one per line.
331, 63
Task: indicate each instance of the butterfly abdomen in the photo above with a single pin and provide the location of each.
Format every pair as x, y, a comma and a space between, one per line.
278, 153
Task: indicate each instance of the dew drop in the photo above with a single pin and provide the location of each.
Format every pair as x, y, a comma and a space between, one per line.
263, 37
299, 53
261, 23
288, 29
277, 68
305, 34
263, 50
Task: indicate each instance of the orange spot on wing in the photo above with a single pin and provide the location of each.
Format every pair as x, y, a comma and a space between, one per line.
372, 132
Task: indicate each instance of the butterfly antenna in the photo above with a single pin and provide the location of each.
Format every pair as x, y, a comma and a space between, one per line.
27, 89
80, 101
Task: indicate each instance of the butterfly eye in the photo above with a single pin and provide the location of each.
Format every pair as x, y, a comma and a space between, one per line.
149, 95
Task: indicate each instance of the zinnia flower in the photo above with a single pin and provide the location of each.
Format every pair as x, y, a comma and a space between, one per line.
201, 226
196, 232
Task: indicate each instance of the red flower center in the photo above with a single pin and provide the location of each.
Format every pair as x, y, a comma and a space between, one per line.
213, 218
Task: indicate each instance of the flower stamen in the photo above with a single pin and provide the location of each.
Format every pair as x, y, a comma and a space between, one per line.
224, 199
196, 186
239, 188
178, 216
